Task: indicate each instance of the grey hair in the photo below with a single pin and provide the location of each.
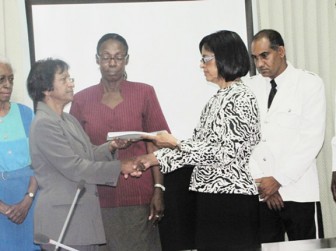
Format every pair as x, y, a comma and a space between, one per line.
4, 60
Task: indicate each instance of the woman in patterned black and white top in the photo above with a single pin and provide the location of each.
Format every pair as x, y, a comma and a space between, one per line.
227, 197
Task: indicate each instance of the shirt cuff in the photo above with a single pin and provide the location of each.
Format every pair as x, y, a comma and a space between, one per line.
282, 179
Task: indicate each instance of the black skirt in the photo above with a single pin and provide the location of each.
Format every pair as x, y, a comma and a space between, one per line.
227, 222
177, 227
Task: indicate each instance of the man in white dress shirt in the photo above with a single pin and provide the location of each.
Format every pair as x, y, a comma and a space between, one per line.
292, 129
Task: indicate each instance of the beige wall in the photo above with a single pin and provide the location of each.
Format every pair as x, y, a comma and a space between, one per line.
13, 30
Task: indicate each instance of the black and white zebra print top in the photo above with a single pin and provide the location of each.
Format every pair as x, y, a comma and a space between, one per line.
221, 144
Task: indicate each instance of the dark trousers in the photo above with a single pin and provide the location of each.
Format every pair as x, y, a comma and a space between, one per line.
301, 221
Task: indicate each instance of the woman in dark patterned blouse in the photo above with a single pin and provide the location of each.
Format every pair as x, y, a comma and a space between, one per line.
228, 130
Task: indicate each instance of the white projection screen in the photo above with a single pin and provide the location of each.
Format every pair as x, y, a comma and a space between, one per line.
163, 40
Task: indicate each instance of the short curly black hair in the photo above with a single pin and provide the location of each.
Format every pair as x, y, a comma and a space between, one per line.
41, 77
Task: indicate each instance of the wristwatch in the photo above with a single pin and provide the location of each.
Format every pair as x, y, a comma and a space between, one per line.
30, 195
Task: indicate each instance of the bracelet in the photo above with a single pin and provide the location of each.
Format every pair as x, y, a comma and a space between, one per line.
160, 186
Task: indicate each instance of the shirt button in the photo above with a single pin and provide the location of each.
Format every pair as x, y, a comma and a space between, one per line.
264, 159
9, 151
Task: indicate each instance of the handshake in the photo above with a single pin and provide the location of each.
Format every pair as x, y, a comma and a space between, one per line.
137, 165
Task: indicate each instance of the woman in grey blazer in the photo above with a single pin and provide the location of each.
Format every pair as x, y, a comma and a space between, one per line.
62, 156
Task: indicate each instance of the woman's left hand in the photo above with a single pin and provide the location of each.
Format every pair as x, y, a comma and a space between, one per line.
17, 213
156, 207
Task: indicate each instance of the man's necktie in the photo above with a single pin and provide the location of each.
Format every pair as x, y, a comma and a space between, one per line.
272, 93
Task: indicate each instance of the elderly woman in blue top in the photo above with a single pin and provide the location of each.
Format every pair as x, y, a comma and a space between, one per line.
17, 184
227, 197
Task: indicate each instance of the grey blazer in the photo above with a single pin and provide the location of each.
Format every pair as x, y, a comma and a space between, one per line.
62, 155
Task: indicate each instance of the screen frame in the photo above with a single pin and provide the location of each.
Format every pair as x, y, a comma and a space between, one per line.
181, 112
29, 15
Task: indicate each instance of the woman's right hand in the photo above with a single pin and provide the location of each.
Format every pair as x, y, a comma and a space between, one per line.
130, 167
163, 140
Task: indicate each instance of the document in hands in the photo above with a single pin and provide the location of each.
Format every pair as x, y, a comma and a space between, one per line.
131, 135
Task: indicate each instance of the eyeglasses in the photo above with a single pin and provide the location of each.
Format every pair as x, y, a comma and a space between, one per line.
107, 58
3, 79
207, 59
67, 80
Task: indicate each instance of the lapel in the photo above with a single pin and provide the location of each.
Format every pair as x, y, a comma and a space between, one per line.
286, 92
75, 132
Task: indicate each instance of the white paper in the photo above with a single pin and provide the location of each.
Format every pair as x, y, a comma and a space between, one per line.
131, 135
